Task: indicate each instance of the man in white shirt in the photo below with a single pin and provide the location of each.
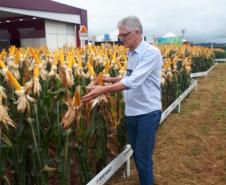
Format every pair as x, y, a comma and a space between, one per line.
142, 95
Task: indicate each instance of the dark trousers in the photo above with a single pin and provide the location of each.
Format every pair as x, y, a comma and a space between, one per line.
141, 131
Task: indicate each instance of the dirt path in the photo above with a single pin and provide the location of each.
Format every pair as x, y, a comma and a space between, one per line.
191, 146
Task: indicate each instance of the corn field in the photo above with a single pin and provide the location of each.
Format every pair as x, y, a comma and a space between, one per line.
179, 62
47, 136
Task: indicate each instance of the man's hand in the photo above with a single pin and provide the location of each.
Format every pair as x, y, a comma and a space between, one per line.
111, 79
95, 91
98, 90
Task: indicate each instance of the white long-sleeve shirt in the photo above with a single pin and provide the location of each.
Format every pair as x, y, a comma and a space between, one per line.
143, 80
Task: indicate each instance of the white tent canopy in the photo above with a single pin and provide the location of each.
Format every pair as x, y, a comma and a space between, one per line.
169, 38
170, 34
113, 36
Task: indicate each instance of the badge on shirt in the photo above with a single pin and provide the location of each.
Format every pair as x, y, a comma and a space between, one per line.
129, 72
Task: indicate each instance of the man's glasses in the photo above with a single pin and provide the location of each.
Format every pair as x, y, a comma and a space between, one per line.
121, 36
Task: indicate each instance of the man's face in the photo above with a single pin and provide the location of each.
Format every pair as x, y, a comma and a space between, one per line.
128, 37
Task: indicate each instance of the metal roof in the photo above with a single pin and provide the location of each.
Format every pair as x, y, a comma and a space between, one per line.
44, 9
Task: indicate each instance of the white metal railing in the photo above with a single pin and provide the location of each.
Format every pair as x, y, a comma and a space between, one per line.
201, 74
177, 102
220, 59
113, 166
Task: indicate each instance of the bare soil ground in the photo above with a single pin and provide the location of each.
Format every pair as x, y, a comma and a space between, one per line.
191, 145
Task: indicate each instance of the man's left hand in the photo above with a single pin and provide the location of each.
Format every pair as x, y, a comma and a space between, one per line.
95, 91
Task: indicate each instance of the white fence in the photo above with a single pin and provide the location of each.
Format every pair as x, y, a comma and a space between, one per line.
113, 166
177, 102
201, 74
220, 60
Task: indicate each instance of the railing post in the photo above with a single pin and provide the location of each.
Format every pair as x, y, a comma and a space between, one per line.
179, 108
128, 167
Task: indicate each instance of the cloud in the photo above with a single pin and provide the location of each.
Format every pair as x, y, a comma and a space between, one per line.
203, 20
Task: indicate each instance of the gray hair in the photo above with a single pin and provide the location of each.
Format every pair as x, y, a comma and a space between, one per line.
132, 23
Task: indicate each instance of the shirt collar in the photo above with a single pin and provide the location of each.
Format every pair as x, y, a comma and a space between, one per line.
138, 48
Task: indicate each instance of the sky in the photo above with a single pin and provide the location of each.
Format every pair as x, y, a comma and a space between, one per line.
202, 20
